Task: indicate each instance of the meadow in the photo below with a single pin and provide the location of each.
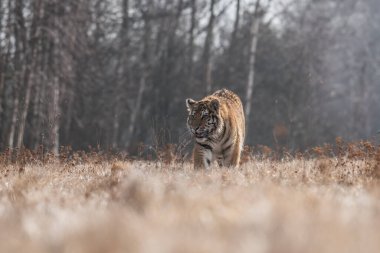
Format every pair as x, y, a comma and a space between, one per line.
326, 201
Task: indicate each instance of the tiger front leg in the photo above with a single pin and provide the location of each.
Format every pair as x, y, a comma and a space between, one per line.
232, 158
202, 157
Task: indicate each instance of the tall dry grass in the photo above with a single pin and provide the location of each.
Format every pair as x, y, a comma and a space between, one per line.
325, 201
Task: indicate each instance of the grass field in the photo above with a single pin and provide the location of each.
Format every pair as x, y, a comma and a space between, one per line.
297, 204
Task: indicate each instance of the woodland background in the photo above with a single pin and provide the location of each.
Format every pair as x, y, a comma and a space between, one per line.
112, 74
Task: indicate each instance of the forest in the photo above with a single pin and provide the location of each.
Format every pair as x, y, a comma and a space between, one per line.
114, 74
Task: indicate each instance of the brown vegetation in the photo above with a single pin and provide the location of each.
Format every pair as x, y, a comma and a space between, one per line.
324, 201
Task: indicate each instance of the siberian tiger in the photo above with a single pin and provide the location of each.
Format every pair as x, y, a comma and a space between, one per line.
218, 125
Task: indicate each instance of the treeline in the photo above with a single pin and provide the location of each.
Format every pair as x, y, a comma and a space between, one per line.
115, 73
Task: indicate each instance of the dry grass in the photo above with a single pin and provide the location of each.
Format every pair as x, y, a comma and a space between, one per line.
324, 204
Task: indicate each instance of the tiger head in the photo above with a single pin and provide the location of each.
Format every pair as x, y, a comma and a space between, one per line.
204, 117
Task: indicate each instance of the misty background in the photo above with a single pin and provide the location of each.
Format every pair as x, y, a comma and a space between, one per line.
114, 74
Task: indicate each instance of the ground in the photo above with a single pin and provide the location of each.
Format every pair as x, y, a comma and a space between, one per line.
324, 204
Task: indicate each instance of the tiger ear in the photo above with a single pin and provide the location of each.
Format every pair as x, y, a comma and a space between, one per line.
189, 103
214, 105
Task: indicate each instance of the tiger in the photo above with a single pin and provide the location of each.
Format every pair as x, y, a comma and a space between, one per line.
217, 124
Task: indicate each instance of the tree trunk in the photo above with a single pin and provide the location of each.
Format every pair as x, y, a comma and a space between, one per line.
3, 62
236, 23
207, 50
2, 58
191, 42
361, 122
53, 68
255, 25
143, 79
232, 46
24, 111
137, 108
30, 59
37, 113
6, 61
122, 74
11, 135
54, 117
19, 37
41, 91
39, 106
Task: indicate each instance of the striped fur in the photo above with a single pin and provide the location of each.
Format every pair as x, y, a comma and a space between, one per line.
218, 126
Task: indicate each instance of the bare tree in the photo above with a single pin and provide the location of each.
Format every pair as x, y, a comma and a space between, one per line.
191, 41
254, 32
232, 46
30, 58
207, 49
20, 43
122, 73
145, 56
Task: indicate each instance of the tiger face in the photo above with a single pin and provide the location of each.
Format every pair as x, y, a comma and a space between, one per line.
203, 118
